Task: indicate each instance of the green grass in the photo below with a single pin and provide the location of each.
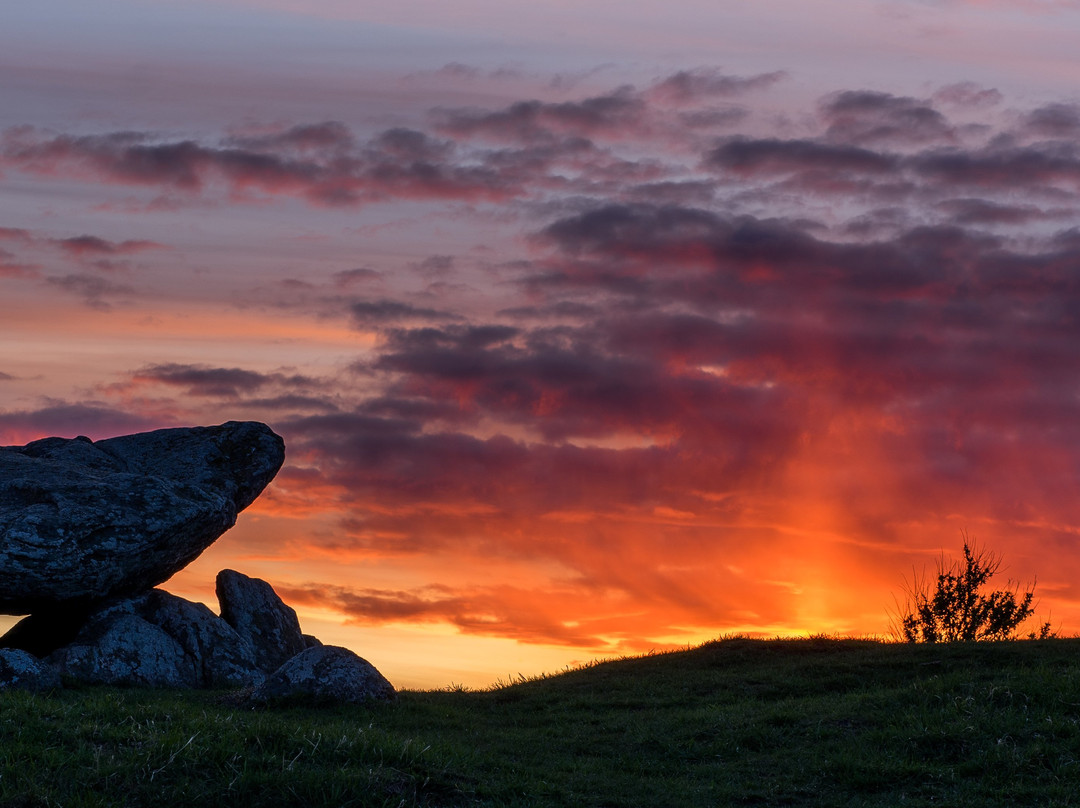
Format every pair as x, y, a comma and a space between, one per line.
736, 722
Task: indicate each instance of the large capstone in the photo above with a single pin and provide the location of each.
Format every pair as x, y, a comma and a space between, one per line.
84, 520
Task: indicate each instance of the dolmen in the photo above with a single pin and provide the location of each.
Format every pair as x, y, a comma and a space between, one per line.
88, 529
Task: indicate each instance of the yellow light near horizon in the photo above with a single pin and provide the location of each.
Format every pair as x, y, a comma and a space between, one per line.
434, 656
193, 321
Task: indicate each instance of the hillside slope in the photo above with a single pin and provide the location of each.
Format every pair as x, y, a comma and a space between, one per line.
735, 722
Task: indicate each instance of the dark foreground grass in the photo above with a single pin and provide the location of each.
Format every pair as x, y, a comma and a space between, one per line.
736, 722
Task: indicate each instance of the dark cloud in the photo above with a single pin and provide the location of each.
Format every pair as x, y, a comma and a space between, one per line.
697, 255
570, 384
332, 135
874, 146
95, 291
635, 229
877, 222
982, 211
1049, 168
549, 162
866, 298
969, 95
458, 70
132, 157
380, 605
714, 117
203, 380
293, 403
378, 312
95, 251
705, 82
687, 192
537, 120
1004, 169
82, 246
351, 277
1054, 121
862, 117
773, 156
436, 265
556, 310
468, 338
391, 461
499, 611
1068, 240
235, 383
412, 410
85, 246
398, 163
409, 145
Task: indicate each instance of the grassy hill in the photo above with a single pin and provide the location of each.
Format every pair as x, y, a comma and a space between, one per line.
734, 722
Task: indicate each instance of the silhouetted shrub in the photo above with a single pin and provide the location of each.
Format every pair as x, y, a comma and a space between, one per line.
956, 610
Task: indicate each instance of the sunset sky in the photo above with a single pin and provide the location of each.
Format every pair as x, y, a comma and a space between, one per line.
591, 328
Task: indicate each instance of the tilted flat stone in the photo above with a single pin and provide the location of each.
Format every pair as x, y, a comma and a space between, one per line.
220, 655
260, 617
84, 520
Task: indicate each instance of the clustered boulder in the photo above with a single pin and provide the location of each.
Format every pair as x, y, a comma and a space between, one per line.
88, 529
